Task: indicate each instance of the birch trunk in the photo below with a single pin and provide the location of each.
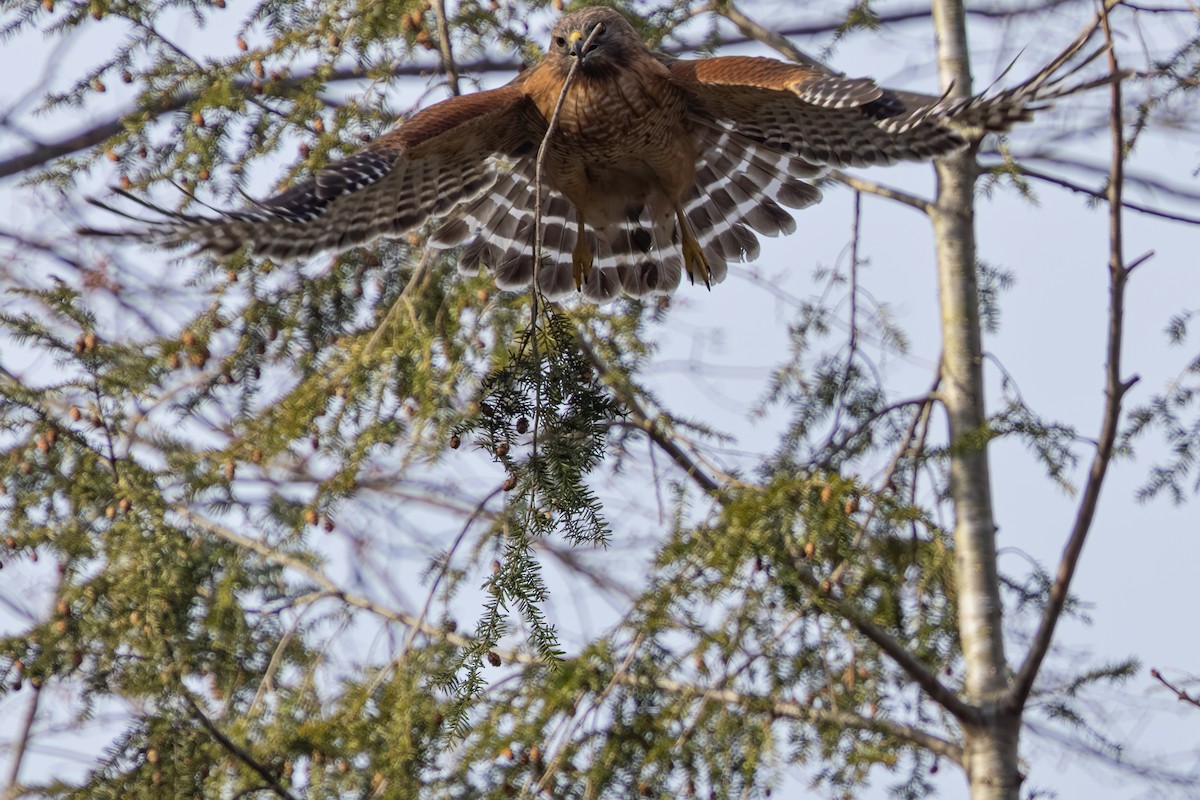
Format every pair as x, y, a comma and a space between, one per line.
990, 743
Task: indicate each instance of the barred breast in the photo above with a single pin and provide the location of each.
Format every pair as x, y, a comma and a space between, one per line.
621, 144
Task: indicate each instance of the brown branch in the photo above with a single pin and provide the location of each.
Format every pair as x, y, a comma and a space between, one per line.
48, 151
1182, 694
759, 33
236, 750
444, 47
1141, 180
1115, 389
642, 420
879, 190
1099, 195
22, 744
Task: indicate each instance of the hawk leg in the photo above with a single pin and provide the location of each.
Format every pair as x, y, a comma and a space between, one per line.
582, 256
693, 254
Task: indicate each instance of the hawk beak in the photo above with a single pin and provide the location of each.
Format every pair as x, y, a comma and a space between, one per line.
575, 44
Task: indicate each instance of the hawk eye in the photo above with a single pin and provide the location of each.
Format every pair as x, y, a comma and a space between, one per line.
600, 29
560, 41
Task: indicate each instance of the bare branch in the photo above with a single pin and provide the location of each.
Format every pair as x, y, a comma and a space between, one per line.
753, 30
790, 710
879, 190
45, 152
1182, 694
1114, 392
445, 49
1098, 194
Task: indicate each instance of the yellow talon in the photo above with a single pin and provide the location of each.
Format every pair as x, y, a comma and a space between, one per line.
581, 262
582, 257
693, 254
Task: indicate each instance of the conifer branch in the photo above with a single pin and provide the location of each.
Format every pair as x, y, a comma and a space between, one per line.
778, 708
940, 693
642, 420
240, 753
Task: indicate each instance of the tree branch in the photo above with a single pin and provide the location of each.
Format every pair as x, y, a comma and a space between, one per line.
1114, 392
791, 710
756, 32
1182, 694
1099, 195
887, 192
238, 752
11, 789
642, 420
777, 708
939, 692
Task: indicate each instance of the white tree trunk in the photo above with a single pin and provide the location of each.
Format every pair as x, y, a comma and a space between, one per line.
991, 743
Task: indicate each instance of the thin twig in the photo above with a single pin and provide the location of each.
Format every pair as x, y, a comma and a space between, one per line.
852, 344
1101, 195
412, 633
1115, 389
1182, 694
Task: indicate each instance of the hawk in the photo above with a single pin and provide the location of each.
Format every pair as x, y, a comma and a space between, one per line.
657, 167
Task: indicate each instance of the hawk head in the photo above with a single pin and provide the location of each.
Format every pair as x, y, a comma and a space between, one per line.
612, 40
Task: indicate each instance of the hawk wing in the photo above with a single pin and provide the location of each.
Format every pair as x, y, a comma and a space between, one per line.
824, 118
426, 166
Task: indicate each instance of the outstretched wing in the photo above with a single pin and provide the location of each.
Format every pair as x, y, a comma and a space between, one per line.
426, 166
825, 118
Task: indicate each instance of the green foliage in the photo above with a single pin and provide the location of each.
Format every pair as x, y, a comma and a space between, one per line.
1175, 415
